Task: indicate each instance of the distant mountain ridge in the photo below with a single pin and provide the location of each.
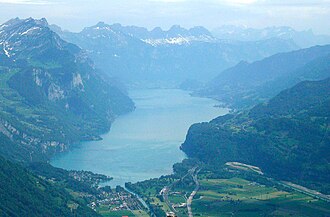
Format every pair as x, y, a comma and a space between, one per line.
51, 93
170, 57
175, 35
303, 39
250, 83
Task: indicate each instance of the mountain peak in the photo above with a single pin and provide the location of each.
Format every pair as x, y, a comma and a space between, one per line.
28, 37
101, 24
117, 26
199, 30
177, 29
43, 21
176, 26
157, 29
18, 23
40, 22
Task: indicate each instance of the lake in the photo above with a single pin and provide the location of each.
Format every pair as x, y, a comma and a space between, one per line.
145, 143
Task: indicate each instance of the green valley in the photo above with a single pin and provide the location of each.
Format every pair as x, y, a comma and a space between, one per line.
226, 191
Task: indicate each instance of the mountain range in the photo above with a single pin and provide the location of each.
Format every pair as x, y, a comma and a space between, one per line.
51, 93
158, 57
303, 39
247, 84
57, 89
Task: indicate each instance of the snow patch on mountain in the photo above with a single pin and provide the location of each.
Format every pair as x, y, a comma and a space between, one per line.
31, 30
77, 81
55, 92
6, 50
180, 40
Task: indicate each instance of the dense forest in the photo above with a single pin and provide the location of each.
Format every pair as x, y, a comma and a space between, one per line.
26, 194
287, 137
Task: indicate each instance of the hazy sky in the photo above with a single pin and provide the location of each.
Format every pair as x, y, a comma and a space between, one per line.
76, 14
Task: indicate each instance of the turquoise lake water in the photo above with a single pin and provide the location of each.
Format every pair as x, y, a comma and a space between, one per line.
145, 143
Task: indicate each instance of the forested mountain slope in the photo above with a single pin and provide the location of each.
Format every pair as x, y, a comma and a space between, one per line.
287, 137
24, 194
247, 84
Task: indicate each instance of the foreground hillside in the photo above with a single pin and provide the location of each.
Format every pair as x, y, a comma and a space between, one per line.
51, 94
288, 137
24, 194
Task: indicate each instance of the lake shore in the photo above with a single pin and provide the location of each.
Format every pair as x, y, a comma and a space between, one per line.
145, 143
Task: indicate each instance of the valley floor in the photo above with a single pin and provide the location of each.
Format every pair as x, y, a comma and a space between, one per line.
202, 192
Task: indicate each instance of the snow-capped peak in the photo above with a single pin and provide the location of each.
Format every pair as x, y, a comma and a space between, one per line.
179, 40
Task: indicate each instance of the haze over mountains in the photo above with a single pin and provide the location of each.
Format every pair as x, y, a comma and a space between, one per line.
303, 39
58, 88
250, 83
135, 54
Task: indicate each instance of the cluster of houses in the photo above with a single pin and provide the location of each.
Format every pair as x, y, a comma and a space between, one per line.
117, 201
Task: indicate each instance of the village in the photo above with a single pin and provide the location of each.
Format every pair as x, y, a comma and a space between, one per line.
118, 199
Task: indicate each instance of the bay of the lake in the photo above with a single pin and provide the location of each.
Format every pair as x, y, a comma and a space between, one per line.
145, 143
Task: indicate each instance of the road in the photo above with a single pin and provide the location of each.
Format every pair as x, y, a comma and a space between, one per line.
306, 191
164, 192
193, 193
145, 206
292, 186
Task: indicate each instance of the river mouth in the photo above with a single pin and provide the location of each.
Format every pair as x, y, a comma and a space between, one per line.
145, 143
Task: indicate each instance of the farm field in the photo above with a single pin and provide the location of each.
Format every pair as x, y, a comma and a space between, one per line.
240, 197
234, 195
